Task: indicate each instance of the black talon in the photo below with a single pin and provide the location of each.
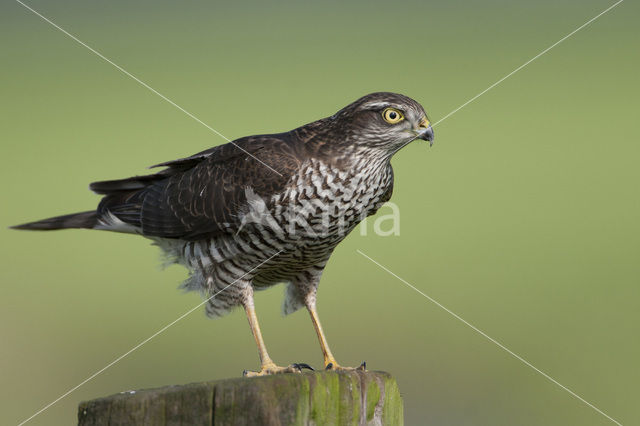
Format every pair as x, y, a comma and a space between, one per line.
363, 366
302, 365
244, 373
329, 366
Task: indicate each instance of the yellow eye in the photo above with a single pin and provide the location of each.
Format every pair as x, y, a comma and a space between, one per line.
392, 115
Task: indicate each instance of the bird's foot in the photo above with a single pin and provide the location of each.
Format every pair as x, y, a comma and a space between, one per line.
270, 368
334, 366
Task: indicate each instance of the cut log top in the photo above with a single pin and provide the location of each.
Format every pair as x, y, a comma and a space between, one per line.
310, 398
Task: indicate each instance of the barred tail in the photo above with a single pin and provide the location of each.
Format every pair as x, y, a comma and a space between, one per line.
86, 220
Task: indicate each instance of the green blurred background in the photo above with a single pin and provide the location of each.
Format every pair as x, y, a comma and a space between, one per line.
523, 218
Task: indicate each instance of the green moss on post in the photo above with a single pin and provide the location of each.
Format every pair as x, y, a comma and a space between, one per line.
310, 398
393, 410
373, 396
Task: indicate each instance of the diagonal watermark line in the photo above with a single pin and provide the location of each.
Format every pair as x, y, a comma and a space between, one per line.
128, 74
527, 63
162, 330
492, 340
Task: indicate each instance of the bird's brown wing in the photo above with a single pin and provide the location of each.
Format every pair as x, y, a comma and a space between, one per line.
203, 195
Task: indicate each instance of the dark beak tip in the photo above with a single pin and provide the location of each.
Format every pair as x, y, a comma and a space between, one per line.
427, 135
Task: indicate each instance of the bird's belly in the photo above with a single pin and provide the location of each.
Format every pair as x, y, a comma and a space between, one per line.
309, 242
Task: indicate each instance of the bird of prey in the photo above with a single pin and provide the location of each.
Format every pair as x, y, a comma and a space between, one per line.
266, 209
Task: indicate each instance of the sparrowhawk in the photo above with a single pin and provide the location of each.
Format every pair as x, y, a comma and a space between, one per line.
266, 209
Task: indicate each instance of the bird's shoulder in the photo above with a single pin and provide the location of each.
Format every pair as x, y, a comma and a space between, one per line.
276, 148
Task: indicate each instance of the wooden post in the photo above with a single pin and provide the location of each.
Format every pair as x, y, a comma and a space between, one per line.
310, 398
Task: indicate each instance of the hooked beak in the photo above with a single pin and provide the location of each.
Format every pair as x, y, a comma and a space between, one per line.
425, 131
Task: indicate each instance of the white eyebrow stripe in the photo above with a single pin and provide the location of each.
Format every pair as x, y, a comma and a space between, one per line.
376, 104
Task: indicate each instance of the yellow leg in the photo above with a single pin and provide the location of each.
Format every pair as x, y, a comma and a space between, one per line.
329, 361
265, 359
267, 366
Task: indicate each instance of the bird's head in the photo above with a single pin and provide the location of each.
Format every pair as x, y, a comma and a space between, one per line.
383, 121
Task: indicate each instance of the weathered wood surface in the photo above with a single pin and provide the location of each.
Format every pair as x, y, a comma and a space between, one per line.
310, 398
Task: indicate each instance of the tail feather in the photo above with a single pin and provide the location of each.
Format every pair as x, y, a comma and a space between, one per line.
135, 183
84, 220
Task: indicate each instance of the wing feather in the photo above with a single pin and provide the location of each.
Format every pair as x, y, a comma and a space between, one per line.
203, 195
